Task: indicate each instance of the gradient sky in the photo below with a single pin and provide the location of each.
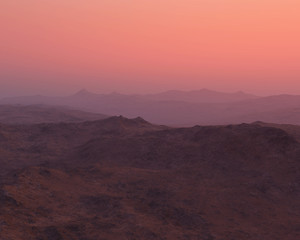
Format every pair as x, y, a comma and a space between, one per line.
59, 46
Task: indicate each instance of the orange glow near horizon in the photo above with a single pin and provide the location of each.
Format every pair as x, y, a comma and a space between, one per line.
130, 46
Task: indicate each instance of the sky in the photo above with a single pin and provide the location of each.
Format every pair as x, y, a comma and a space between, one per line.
57, 47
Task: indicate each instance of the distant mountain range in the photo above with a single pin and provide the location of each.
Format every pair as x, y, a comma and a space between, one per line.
201, 96
32, 114
180, 108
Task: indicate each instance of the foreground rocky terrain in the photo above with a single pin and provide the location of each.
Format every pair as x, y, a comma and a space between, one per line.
122, 178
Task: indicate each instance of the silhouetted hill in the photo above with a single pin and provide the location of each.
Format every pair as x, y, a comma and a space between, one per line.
179, 108
293, 130
122, 178
20, 114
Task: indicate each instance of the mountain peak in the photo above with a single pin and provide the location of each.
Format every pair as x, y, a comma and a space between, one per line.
83, 92
123, 122
140, 120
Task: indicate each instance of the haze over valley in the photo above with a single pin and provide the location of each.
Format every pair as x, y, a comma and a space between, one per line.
178, 108
68, 171
150, 120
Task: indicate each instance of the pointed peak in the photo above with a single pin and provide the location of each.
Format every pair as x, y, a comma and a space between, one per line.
126, 121
140, 120
83, 92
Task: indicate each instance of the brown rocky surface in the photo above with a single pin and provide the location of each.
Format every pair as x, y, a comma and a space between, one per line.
124, 178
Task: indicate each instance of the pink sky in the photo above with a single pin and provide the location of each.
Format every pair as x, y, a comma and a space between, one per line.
60, 46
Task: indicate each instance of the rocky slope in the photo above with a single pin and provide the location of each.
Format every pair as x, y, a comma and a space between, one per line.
122, 178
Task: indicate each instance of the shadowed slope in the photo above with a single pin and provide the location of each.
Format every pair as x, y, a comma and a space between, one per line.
127, 179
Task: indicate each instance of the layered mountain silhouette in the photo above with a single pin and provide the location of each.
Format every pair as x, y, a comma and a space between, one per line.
178, 108
121, 178
20, 114
201, 96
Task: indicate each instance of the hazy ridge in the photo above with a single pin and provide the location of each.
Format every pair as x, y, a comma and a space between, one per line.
179, 108
72, 174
